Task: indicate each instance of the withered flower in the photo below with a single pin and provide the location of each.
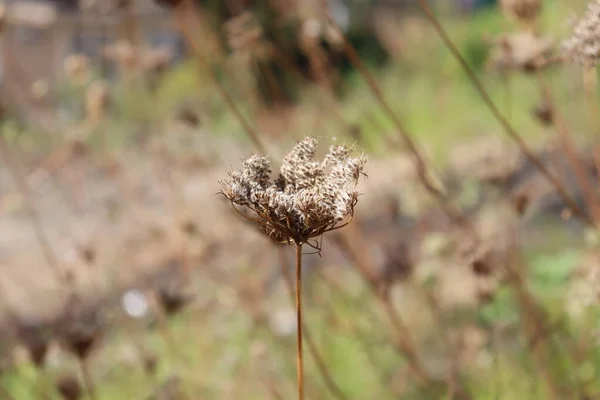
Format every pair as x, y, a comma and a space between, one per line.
168, 3
173, 297
522, 51
150, 363
522, 10
36, 338
81, 330
307, 199
583, 47
544, 113
69, 388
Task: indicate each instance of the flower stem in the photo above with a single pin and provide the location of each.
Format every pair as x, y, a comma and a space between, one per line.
299, 356
333, 388
87, 380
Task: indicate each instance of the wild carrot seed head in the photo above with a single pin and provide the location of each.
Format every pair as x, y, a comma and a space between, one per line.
307, 199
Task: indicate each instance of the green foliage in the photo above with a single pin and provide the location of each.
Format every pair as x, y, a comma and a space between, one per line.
550, 272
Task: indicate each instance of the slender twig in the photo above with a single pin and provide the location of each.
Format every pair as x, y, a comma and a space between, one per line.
405, 344
420, 163
34, 216
87, 379
590, 86
42, 384
299, 355
312, 348
182, 14
505, 124
533, 321
581, 176
358, 333
404, 341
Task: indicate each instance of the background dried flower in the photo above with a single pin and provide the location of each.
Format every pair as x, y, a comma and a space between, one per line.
523, 51
69, 388
81, 330
307, 199
522, 10
583, 46
36, 339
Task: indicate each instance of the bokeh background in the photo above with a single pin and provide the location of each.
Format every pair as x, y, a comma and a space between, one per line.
465, 274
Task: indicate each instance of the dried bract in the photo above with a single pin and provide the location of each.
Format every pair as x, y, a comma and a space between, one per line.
307, 199
583, 47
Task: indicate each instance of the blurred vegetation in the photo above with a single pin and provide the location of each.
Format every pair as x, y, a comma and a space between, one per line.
221, 354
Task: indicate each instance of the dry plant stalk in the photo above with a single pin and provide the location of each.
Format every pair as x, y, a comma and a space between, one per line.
504, 123
566, 141
422, 168
34, 216
307, 199
312, 347
184, 11
583, 48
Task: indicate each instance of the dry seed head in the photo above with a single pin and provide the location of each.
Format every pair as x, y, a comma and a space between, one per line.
168, 3
583, 47
307, 199
544, 113
97, 98
77, 67
172, 298
36, 339
82, 329
523, 51
150, 363
522, 10
69, 387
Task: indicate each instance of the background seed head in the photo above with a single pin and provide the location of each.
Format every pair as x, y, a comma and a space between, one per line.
583, 47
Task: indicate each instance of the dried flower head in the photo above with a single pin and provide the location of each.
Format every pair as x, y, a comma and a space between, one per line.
173, 296
97, 100
583, 46
168, 3
307, 199
36, 337
522, 10
82, 328
523, 51
150, 363
69, 387
544, 113
77, 67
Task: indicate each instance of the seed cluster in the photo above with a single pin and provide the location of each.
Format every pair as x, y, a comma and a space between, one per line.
523, 51
522, 10
583, 46
307, 199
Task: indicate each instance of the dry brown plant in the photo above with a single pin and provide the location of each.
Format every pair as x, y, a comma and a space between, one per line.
307, 199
